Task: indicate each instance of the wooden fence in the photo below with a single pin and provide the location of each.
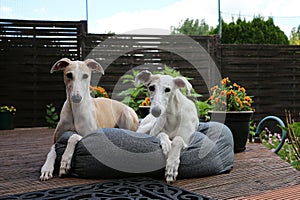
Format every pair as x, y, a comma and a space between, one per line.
28, 49
271, 73
119, 54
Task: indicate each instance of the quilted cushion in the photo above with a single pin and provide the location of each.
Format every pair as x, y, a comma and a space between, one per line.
117, 153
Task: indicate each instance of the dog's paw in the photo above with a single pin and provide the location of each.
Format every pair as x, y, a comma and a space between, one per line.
65, 165
166, 146
172, 170
46, 173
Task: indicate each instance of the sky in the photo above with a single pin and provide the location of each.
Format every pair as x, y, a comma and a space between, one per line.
150, 16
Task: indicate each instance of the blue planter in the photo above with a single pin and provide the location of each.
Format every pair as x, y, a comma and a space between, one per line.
6, 121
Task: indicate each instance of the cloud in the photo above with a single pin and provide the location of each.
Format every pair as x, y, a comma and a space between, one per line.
40, 11
171, 15
5, 12
162, 18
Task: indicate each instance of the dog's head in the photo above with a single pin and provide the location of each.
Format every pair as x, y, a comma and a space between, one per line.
77, 76
161, 89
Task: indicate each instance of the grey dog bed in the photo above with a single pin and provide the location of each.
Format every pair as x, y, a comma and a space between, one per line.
118, 153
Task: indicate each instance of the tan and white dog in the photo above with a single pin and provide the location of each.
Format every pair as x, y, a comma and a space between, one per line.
173, 117
82, 113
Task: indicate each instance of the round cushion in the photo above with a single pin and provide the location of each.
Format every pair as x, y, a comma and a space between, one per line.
118, 153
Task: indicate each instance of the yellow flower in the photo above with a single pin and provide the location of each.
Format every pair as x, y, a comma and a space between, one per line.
10, 109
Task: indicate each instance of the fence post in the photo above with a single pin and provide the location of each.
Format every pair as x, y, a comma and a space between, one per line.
82, 33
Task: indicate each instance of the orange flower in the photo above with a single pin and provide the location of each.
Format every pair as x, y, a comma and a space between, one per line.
247, 103
239, 101
242, 89
216, 100
147, 99
214, 88
223, 93
98, 92
225, 80
231, 92
231, 95
236, 85
146, 102
248, 99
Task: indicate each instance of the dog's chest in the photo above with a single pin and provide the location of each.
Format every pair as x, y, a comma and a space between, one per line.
172, 125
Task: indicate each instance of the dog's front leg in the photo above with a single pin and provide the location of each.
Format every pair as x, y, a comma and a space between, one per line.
173, 159
165, 143
48, 167
66, 159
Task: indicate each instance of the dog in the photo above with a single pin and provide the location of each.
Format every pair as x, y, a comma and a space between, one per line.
172, 117
82, 113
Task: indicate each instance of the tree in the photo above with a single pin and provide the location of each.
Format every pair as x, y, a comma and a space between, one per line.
257, 31
192, 27
295, 36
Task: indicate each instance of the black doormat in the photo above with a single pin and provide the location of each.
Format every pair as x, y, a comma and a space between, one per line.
132, 188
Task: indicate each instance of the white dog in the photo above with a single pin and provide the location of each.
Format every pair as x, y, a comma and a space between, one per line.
82, 113
172, 116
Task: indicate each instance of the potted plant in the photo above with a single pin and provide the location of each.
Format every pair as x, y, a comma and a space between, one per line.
232, 106
144, 107
7, 114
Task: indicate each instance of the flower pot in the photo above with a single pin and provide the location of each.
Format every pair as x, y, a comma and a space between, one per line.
144, 111
239, 124
6, 121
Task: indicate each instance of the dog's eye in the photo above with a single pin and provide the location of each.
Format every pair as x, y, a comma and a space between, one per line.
152, 88
69, 75
85, 76
167, 90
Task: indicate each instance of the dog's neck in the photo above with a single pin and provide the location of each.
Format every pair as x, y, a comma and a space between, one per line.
173, 111
83, 119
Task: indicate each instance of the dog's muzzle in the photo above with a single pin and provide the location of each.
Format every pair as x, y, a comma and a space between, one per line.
156, 111
76, 98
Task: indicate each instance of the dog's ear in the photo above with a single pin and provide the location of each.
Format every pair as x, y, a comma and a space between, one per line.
94, 66
60, 65
143, 77
181, 82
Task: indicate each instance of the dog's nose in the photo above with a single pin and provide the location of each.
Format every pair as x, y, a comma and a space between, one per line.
155, 111
76, 98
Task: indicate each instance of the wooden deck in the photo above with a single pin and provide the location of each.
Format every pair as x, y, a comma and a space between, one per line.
258, 173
